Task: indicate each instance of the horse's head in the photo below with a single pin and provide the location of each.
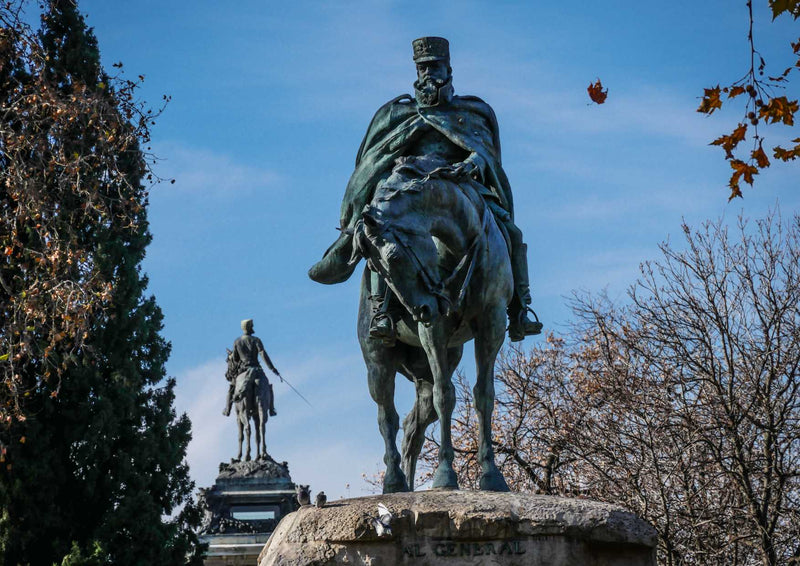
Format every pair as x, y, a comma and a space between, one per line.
232, 369
404, 253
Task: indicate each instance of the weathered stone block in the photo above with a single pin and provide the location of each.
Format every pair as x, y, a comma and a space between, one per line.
463, 527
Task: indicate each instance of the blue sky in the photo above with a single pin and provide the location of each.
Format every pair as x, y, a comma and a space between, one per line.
270, 101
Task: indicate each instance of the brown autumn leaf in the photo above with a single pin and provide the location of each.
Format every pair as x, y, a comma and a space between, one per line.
760, 157
791, 7
736, 91
729, 143
711, 100
787, 154
743, 170
597, 93
779, 109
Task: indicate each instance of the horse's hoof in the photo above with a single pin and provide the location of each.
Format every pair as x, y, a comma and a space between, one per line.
394, 481
247, 458
493, 481
444, 477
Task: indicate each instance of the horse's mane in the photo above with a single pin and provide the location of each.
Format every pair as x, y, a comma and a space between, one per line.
421, 171
235, 367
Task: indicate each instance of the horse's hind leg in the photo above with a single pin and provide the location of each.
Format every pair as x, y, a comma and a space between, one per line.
262, 424
414, 425
489, 335
381, 387
423, 413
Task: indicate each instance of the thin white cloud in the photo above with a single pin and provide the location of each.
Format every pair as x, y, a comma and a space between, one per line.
301, 435
202, 171
200, 394
644, 110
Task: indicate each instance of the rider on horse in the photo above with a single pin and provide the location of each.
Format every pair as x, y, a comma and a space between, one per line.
246, 349
462, 130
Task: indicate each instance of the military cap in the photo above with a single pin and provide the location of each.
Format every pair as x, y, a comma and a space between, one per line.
431, 49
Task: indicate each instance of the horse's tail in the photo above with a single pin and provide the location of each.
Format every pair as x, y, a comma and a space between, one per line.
251, 399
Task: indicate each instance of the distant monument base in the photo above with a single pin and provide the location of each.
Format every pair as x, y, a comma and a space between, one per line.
242, 509
463, 527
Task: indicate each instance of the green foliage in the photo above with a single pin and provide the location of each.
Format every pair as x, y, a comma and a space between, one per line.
77, 557
92, 452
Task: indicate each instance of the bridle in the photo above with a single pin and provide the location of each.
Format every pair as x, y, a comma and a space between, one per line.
433, 284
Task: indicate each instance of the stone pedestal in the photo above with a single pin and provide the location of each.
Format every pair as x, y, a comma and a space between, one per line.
242, 508
463, 527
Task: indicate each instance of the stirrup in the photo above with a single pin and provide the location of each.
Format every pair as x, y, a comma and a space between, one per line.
375, 331
522, 327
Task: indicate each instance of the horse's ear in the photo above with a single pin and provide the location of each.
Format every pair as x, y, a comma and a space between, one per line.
228, 350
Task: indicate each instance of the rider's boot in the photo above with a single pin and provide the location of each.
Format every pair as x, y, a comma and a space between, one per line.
519, 325
272, 411
336, 265
228, 403
381, 325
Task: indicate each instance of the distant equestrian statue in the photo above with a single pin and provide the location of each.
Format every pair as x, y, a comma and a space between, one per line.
250, 391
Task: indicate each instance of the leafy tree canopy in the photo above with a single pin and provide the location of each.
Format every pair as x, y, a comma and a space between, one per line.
92, 452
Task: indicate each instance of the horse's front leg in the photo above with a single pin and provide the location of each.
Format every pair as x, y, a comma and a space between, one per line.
241, 436
489, 332
434, 342
263, 416
257, 427
381, 387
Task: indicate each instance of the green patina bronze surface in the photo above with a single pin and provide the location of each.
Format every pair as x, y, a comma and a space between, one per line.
431, 210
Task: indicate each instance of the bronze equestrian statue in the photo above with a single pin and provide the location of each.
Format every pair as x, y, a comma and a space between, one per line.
430, 209
463, 131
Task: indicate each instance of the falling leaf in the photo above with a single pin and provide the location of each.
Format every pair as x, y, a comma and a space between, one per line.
597, 93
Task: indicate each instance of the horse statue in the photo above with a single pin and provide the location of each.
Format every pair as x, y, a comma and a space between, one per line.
251, 398
437, 245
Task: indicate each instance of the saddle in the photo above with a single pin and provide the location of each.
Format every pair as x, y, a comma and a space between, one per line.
245, 383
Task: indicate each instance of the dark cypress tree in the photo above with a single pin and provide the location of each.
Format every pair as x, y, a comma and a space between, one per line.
94, 453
